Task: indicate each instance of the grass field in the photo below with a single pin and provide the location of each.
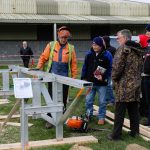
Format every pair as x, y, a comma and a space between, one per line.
39, 132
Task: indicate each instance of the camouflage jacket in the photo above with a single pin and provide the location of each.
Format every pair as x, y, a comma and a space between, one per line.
126, 73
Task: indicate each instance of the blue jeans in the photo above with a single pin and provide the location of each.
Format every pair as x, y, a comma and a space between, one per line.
109, 94
101, 90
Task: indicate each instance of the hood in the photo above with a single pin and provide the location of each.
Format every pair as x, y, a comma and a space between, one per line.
107, 41
134, 46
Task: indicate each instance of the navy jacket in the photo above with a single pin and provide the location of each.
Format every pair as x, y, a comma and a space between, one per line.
103, 59
25, 52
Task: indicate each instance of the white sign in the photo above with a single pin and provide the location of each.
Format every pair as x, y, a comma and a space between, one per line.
22, 88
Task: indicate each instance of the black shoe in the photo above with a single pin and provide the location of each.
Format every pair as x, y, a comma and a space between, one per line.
112, 138
133, 134
64, 110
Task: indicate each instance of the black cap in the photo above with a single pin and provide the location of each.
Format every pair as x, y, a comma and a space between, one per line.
148, 28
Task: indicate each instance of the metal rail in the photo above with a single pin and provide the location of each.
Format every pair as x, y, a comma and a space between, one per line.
54, 105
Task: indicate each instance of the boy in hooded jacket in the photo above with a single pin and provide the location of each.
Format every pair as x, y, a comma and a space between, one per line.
97, 68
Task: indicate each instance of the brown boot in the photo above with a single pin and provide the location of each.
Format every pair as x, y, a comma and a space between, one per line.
101, 121
48, 125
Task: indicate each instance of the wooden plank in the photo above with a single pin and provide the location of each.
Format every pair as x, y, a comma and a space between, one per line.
145, 127
15, 124
111, 122
143, 130
1, 103
5, 116
127, 130
51, 142
13, 111
126, 122
4, 101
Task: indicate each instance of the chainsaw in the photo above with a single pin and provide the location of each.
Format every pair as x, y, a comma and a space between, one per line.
81, 124
77, 123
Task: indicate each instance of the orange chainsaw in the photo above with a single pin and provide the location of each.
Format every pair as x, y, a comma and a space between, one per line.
81, 124
77, 123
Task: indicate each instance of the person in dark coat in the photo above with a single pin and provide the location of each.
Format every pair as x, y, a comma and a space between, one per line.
126, 75
26, 53
109, 47
97, 68
146, 82
144, 40
110, 98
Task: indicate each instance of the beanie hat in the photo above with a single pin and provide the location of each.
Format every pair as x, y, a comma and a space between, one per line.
99, 41
148, 28
63, 31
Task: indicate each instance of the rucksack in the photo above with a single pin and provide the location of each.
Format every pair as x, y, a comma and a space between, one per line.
146, 65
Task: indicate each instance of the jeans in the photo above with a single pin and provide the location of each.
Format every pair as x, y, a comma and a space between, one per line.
101, 90
109, 94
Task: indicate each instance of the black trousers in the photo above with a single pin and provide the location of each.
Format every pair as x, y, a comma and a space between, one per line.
146, 95
133, 112
26, 62
65, 92
144, 102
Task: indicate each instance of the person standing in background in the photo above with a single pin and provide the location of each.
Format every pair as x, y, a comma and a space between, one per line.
109, 47
146, 81
143, 39
110, 98
26, 53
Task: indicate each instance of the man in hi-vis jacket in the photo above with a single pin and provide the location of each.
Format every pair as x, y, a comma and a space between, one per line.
61, 58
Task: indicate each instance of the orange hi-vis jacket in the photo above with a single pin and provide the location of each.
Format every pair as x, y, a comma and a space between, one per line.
45, 57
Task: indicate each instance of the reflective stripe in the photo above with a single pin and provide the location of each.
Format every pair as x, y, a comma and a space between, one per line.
71, 48
52, 48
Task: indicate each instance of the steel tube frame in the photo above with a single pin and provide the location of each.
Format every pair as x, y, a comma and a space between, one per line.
54, 105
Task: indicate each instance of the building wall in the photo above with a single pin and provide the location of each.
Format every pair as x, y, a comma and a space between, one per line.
18, 32
9, 50
11, 37
75, 7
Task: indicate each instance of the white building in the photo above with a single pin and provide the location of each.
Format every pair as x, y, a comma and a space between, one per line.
34, 20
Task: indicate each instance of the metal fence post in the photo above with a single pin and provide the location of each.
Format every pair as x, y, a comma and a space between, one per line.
58, 98
24, 126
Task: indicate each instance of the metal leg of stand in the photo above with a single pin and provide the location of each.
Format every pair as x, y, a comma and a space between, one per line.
59, 127
5, 76
24, 126
57, 98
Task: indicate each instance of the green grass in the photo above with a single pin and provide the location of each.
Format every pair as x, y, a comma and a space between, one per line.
39, 132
